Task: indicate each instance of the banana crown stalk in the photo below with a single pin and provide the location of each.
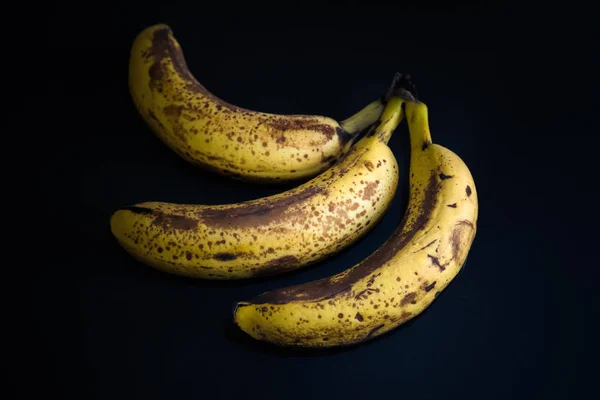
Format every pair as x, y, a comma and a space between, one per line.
216, 135
399, 280
274, 234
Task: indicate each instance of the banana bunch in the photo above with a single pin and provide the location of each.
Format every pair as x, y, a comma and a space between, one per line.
353, 176
399, 280
278, 233
211, 133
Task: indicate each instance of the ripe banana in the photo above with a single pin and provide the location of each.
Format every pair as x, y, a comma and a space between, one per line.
233, 141
276, 233
396, 282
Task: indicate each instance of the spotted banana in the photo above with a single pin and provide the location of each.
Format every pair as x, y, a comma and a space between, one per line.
274, 234
211, 133
399, 280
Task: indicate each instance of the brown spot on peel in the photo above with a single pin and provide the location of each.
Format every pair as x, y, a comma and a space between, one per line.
179, 222
359, 317
173, 110
258, 213
369, 190
468, 190
303, 123
409, 298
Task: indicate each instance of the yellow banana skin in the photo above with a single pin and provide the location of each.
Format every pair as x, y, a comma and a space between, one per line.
218, 136
400, 279
273, 234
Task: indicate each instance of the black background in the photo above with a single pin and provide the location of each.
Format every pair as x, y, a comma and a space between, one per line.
505, 90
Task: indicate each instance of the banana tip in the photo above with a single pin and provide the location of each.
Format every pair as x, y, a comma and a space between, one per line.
238, 304
236, 307
160, 26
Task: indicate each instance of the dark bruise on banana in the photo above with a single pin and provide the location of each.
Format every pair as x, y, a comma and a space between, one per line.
221, 137
395, 283
269, 235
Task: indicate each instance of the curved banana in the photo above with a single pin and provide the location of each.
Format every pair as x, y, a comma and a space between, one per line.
400, 279
276, 233
241, 143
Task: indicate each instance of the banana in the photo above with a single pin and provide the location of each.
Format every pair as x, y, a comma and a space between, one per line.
396, 282
276, 233
218, 136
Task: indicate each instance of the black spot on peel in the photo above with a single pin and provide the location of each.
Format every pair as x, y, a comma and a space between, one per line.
359, 317
374, 330
425, 145
426, 246
364, 294
372, 279
427, 288
225, 256
444, 177
138, 210
468, 190
452, 205
435, 261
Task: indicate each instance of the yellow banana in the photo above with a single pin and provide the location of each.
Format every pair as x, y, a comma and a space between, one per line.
396, 282
276, 233
233, 141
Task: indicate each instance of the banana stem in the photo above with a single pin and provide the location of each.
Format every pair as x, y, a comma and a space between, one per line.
401, 86
418, 125
358, 122
390, 119
402, 90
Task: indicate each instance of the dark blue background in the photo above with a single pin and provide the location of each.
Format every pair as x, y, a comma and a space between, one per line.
505, 92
